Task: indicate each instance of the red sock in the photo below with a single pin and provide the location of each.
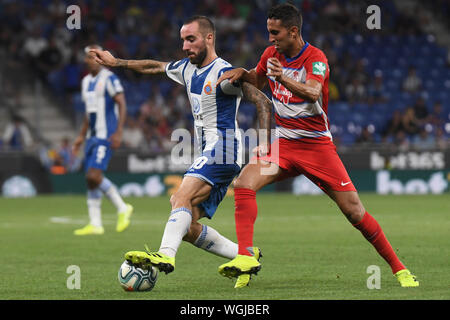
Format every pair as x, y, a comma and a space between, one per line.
372, 231
246, 210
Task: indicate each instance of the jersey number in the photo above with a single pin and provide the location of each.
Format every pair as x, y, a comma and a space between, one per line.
101, 152
199, 162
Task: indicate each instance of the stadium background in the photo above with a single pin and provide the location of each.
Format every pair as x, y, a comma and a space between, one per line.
389, 89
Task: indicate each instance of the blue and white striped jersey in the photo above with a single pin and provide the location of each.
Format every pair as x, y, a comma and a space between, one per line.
214, 108
102, 111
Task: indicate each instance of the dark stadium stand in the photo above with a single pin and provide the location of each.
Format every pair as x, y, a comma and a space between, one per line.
381, 60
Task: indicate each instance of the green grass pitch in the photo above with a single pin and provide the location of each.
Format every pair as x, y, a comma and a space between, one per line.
310, 250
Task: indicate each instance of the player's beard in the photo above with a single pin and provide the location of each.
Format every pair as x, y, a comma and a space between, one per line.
199, 58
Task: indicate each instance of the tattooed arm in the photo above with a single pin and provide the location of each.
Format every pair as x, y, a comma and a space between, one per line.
264, 112
143, 66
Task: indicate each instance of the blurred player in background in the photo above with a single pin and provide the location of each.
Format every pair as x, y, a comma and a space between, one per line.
105, 104
214, 109
298, 75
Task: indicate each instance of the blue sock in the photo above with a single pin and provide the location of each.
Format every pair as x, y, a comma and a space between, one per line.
105, 184
94, 194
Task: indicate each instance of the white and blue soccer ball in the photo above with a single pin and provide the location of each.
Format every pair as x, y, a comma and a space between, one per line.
132, 278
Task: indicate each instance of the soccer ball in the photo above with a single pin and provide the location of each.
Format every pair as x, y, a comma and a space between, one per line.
132, 278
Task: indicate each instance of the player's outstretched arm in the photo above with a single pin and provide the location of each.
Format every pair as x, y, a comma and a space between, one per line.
241, 74
147, 66
264, 112
309, 91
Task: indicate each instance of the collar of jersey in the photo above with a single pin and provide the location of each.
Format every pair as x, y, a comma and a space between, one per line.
299, 54
98, 73
202, 69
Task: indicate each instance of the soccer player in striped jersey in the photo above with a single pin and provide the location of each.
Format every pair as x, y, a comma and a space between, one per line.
214, 109
105, 106
298, 74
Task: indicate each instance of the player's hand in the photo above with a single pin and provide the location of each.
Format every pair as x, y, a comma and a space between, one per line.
261, 150
275, 69
104, 57
116, 139
77, 144
232, 75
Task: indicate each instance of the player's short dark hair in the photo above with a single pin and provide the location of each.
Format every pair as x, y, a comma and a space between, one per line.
205, 24
289, 15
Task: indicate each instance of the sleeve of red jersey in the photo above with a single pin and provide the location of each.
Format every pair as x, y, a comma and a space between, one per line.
317, 67
261, 68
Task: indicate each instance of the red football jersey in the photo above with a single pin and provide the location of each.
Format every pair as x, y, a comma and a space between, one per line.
295, 117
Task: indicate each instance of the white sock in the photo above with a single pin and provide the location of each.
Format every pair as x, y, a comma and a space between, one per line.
95, 212
176, 228
94, 204
113, 194
212, 241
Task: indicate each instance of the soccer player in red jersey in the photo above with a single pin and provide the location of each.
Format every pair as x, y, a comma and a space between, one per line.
298, 75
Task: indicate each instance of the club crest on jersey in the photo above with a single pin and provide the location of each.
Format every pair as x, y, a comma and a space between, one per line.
298, 75
208, 89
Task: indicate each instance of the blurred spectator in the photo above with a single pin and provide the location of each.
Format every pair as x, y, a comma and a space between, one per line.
157, 97
132, 134
437, 115
358, 71
401, 141
72, 76
411, 125
68, 159
394, 125
58, 166
366, 137
333, 91
442, 142
424, 141
412, 82
421, 111
17, 136
57, 9
152, 142
49, 60
377, 91
33, 45
332, 9
355, 91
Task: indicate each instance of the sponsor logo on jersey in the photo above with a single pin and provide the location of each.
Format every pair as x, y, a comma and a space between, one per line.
319, 68
195, 105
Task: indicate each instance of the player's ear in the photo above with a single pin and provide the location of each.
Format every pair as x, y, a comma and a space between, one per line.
210, 37
293, 31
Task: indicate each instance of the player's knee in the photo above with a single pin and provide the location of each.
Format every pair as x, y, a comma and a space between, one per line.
179, 199
353, 209
242, 184
172, 200
93, 180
